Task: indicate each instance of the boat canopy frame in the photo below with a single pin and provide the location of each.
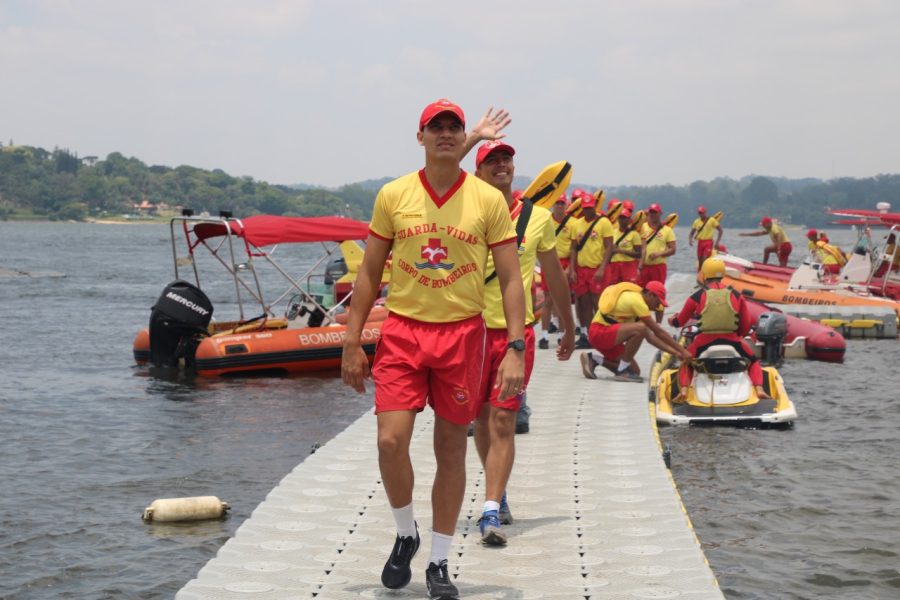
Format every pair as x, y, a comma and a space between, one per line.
227, 238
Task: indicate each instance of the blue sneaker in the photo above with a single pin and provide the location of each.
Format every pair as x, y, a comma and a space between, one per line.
506, 517
489, 524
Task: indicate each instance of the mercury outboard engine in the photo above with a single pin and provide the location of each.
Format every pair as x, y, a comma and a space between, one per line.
771, 330
177, 321
335, 269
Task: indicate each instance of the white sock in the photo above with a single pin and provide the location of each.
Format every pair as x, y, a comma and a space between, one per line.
406, 522
623, 366
596, 357
491, 505
544, 335
440, 547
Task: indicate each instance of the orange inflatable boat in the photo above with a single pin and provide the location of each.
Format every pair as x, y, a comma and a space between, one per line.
307, 335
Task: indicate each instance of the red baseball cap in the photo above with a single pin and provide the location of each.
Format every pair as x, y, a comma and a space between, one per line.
437, 107
487, 148
812, 234
657, 289
701, 209
766, 221
626, 212
655, 208
628, 204
577, 193
588, 201
563, 199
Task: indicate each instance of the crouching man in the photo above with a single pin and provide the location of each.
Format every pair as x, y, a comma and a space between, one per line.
624, 319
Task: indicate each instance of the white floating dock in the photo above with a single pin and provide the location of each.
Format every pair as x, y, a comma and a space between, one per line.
596, 512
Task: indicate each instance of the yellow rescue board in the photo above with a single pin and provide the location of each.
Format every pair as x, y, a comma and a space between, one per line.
546, 188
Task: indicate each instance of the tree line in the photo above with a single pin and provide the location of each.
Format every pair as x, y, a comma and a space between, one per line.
57, 184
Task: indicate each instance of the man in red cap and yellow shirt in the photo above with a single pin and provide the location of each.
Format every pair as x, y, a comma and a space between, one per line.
781, 245
703, 229
439, 224
495, 430
622, 323
592, 249
564, 229
627, 249
659, 245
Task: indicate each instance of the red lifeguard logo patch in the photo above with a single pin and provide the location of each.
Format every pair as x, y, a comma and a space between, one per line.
434, 253
460, 396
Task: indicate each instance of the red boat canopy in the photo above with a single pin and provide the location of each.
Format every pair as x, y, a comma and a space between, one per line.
266, 230
885, 218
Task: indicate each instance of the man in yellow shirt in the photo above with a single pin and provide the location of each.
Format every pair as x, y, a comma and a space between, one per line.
621, 325
703, 229
564, 228
781, 245
627, 250
659, 245
495, 425
592, 249
440, 225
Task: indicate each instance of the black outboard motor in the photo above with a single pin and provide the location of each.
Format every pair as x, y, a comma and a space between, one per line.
771, 330
179, 318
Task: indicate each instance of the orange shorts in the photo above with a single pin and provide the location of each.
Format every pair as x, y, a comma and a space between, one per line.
496, 350
415, 365
584, 280
603, 340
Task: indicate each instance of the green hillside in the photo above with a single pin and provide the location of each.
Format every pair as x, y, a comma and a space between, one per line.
39, 184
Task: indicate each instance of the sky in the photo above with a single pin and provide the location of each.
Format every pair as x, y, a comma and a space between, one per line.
329, 92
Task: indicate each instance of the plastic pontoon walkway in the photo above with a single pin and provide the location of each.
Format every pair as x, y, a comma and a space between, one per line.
596, 512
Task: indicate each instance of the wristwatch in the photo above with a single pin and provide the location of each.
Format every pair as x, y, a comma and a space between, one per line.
517, 345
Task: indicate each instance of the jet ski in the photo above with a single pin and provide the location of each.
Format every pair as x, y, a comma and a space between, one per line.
721, 393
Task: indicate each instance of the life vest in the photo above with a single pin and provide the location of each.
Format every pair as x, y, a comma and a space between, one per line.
718, 314
835, 253
606, 306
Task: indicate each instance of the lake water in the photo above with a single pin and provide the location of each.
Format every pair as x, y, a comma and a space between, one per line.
88, 440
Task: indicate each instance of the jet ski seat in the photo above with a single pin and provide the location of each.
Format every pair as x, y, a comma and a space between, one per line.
721, 360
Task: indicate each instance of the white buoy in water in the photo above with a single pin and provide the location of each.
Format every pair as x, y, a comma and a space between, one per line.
196, 508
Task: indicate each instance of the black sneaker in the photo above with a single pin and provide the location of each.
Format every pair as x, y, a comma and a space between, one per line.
582, 342
544, 344
438, 582
522, 427
396, 573
552, 328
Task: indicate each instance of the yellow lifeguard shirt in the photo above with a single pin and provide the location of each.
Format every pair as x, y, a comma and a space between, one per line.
775, 230
705, 231
659, 243
440, 244
540, 236
565, 237
591, 254
631, 240
628, 308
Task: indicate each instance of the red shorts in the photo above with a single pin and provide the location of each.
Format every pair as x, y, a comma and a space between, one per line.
603, 340
628, 271
653, 273
565, 265
415, 365
704, 250
496, 350
585, 275
784, 251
